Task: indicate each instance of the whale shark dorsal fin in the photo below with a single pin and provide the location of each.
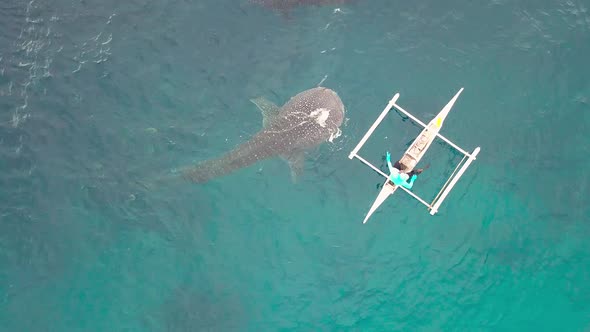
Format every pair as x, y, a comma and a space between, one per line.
296, 161
268, 109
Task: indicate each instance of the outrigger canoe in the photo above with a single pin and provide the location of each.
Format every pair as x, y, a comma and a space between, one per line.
414, 154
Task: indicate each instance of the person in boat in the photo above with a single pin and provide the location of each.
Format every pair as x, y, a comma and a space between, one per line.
400, 178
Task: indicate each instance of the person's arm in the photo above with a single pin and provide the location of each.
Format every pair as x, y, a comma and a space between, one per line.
411, 184
388, 158
407, 185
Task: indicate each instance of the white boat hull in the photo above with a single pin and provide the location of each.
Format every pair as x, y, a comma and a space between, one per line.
387, 190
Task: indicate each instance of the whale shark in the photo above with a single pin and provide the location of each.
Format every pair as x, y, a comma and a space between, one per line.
305, 121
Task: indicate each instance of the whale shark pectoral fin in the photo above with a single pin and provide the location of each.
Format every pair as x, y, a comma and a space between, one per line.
268, 109
296, 161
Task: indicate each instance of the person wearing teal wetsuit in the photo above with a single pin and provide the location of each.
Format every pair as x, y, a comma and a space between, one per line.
399, 178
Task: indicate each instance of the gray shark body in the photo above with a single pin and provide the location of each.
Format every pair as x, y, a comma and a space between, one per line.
308, 119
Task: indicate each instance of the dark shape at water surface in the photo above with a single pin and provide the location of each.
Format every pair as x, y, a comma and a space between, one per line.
308, 119
285, 6
202, 309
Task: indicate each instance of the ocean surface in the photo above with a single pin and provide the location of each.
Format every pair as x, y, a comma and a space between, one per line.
99, 98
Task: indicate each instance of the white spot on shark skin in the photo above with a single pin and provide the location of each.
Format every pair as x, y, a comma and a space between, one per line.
320, 115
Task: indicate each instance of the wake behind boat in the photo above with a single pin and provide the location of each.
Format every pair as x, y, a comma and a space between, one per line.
414, 154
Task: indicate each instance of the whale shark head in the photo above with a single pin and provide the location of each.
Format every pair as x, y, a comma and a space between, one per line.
305, 121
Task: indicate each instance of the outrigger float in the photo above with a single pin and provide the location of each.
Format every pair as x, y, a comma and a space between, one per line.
414, 153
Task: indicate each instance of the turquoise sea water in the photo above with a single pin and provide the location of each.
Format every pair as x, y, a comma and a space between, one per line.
98, 97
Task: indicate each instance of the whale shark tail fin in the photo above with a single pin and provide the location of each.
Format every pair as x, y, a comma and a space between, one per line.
161, 180
216, 167
199, 174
